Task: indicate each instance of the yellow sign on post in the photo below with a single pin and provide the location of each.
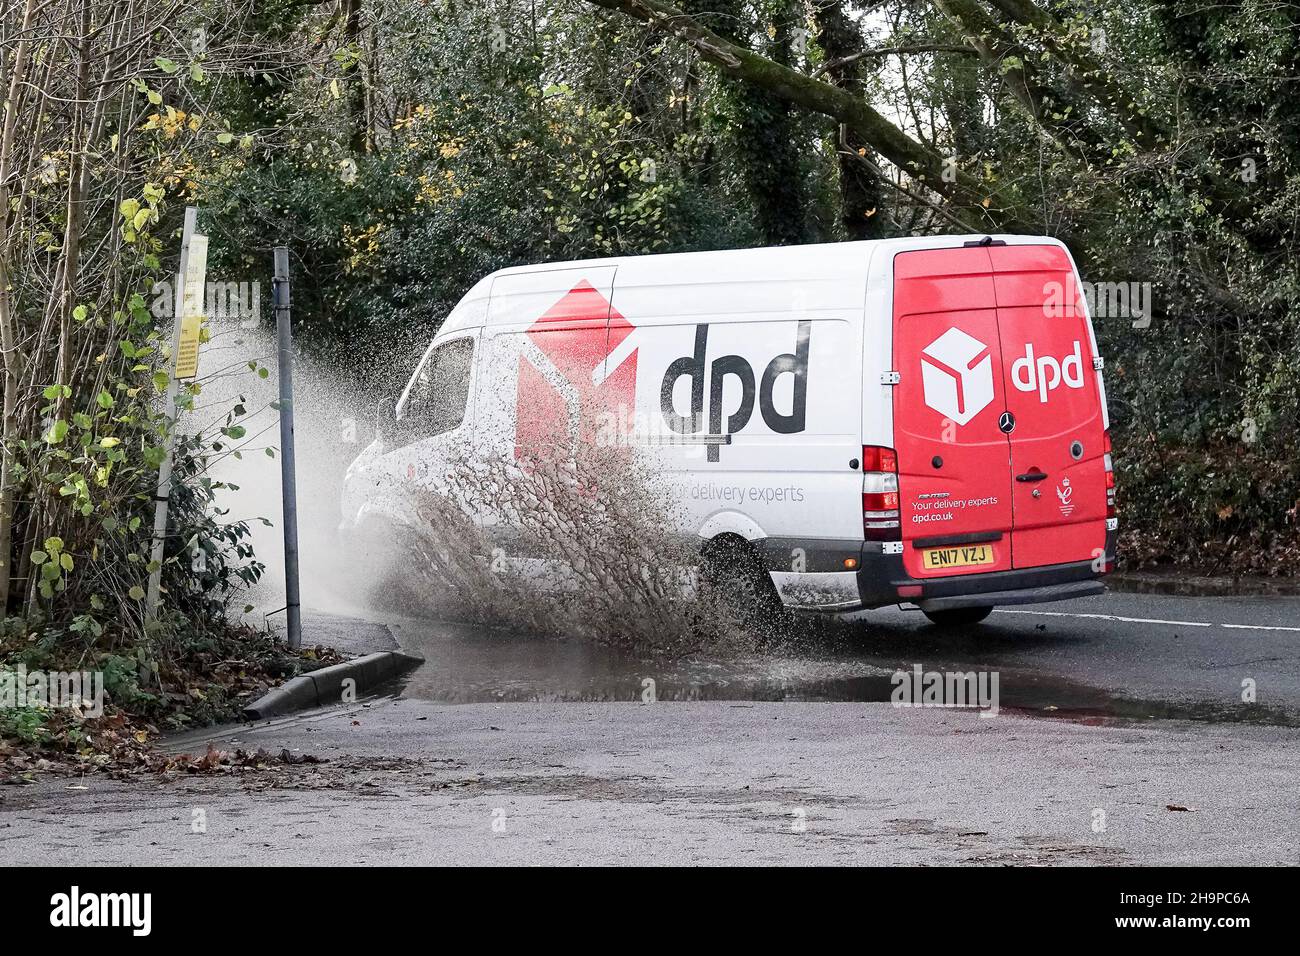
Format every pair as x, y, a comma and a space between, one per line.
196, 276
187, 355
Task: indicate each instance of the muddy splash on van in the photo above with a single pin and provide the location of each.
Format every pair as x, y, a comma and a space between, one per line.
558, 542
580, 545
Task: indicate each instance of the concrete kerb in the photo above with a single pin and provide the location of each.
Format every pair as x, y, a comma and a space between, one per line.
324, 687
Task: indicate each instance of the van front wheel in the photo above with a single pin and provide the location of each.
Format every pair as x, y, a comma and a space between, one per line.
959, 616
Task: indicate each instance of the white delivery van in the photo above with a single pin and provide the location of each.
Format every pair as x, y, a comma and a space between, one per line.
903, 421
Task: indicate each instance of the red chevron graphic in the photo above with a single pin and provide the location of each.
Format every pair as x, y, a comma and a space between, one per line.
576, 335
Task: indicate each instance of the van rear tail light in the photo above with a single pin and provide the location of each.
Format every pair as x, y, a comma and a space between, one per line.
1110, 476
875, 458
880, 516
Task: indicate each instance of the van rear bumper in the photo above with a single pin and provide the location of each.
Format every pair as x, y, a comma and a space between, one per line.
1039, 595
881, 575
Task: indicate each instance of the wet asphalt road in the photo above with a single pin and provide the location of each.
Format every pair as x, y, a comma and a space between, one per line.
1117, 655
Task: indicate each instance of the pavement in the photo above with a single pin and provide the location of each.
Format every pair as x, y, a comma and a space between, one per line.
1122, 738
348, 631
691, 783
1177, 581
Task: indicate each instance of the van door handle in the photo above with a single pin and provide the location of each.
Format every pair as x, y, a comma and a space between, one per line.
1031, 476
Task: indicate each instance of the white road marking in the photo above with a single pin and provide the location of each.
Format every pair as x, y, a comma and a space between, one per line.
1108, 617
1261, 627
1151, 620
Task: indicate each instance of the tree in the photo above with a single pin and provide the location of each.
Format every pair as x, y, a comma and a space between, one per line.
1160, 142
104, 140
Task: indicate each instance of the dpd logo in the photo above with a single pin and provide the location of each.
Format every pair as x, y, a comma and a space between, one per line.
1048, 373
957, 375
694, 367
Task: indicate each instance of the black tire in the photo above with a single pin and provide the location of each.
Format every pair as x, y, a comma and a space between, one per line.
959, 616
735, 571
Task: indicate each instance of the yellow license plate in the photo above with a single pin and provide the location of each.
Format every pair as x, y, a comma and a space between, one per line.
964, 556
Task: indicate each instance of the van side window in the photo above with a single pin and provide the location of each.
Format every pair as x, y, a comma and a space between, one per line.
441, 390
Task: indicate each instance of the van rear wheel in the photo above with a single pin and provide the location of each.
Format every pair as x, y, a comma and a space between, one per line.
735, 572
958, 616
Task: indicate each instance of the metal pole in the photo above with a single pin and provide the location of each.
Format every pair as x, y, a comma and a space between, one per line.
288, 487
169, 438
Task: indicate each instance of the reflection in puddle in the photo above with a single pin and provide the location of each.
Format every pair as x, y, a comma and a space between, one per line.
468, 664
473, 664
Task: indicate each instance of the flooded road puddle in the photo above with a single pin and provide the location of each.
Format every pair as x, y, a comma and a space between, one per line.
467, 663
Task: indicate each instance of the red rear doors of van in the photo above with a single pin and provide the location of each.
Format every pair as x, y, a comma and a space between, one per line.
997, 414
